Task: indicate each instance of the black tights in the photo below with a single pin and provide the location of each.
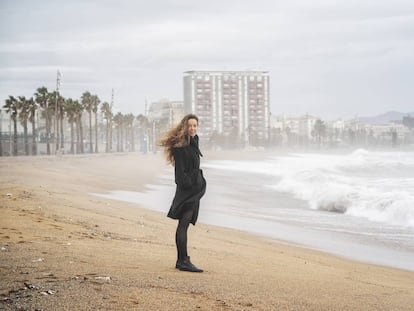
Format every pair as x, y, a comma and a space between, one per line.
181, 234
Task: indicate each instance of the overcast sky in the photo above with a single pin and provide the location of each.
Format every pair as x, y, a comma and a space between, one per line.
337, 58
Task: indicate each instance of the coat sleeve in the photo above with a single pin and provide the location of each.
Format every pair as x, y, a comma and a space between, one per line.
182, 176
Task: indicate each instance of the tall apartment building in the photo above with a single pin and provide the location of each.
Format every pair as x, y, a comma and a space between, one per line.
229, 101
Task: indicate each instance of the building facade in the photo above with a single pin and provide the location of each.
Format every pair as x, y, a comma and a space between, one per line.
229, 102
165, 110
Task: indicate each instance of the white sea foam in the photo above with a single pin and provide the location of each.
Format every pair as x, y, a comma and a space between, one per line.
378, 186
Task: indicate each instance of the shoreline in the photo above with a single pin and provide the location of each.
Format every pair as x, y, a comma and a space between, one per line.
348, 247
65, 249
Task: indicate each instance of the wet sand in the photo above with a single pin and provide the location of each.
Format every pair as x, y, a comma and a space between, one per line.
65, 249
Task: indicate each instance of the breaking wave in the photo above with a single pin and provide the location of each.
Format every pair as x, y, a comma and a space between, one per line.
378, 186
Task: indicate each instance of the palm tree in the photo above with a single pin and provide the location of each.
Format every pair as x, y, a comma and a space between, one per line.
87, 104
61, 116
70, 108
143, 125
119, 120
57, 110
95, 103
78, 109
129, 122
42, 97
11, 108
32, 119
1, 139
23, 115
106, 110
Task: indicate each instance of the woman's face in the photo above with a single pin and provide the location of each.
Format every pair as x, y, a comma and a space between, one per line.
192, 126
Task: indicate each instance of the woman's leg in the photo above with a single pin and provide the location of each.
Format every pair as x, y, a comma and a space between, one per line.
181, 234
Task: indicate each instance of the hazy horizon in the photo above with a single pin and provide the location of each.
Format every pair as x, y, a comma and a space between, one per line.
331, 59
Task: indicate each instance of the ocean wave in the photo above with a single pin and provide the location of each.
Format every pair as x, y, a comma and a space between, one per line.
374, 185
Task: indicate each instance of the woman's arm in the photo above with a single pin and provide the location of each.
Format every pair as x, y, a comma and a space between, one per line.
182, 176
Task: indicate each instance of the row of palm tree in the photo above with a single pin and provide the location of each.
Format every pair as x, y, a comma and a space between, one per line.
54, 109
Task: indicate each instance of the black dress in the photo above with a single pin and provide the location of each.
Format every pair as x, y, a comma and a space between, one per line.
189, 179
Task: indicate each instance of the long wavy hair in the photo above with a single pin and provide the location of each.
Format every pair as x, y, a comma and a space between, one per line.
177, 137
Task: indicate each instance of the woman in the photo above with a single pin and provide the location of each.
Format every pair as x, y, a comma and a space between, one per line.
181, 149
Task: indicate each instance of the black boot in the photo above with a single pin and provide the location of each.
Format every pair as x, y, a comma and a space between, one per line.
186, 265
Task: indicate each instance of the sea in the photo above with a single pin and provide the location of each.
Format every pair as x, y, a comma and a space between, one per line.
358, 204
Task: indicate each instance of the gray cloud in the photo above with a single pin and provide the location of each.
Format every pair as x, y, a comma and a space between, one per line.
330, 58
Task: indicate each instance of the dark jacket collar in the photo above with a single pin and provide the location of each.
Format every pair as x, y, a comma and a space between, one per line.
194, 144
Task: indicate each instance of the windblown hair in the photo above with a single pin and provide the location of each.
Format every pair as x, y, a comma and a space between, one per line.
177, 137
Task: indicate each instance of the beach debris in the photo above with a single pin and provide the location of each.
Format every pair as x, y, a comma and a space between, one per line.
30, 286
38, 260
103, 278
77, 277
221, 302
9, 195
3, 248
17, 294
48, 274
48, 292
5, 299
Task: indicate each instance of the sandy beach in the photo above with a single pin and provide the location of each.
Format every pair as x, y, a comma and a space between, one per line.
64, 249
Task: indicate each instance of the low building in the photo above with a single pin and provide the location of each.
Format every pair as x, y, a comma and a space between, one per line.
166, 111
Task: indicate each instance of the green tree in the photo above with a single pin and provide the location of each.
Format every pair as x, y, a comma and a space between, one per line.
56, 109
143, 126
119, 123
78, 111
129, 131
61, 116
1, 138
42, 97
11, 108
95, 104
32, 119
87, 103
71, 114
23, 115
107, 112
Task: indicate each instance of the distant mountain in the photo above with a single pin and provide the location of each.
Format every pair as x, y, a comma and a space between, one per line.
385, 118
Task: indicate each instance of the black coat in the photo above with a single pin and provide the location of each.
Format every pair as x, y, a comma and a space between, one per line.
189, 179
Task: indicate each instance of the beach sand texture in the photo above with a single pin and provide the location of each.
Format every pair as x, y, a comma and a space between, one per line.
65, 249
